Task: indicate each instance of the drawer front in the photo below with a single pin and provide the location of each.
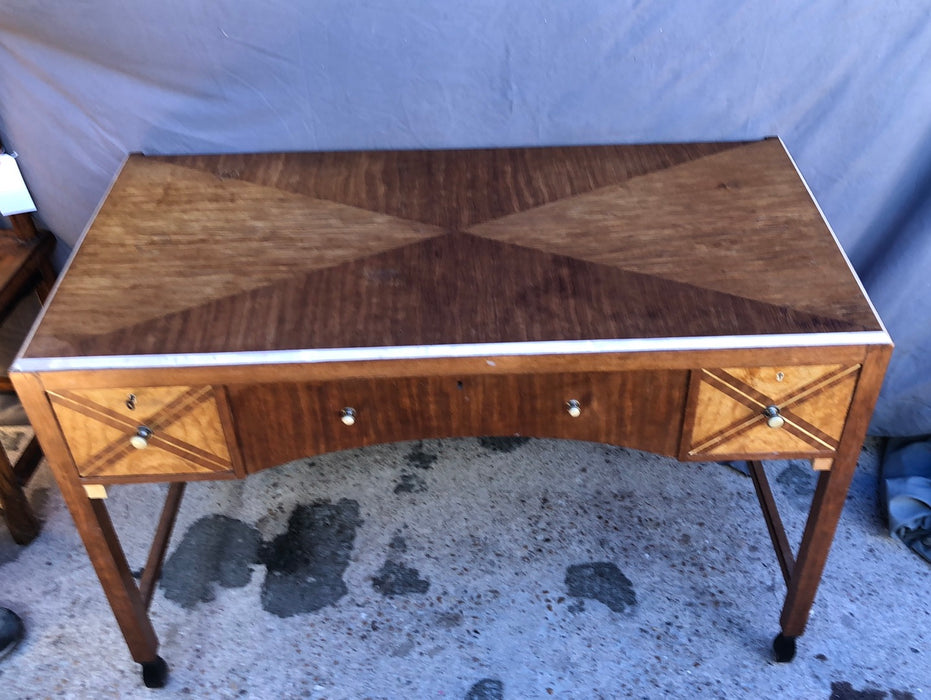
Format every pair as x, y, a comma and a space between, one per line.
277, 423
739, 412
183, 433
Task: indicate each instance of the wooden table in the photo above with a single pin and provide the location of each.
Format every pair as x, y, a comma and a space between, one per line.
226, 314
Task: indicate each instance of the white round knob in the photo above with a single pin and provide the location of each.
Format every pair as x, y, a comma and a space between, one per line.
773, 418
573, 408
348, 416
141, 439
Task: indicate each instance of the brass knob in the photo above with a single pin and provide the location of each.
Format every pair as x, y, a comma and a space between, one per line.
348, 416
773, 418
141, 439
573, 408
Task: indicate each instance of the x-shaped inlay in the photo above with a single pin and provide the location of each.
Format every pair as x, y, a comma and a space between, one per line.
157, 423
757, 401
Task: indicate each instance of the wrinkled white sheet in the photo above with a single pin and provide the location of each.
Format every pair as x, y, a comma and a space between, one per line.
845, 83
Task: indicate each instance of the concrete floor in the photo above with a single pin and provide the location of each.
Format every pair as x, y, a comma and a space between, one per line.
475, 569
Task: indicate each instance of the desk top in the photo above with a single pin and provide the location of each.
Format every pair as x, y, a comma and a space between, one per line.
196, 255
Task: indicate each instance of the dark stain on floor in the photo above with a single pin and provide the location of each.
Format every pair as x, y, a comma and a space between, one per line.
9, 550
842, 690
798, 482
396, 579
486, 689
577, 606
601, 581
215, 550
306, 563
411, 483
448, 620
503, 444
420, 459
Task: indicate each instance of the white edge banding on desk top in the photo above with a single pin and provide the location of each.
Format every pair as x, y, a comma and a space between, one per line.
71, 256
827, 224
428, 352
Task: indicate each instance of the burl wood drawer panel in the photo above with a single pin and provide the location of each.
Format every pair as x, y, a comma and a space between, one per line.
183, 433
759, 411
610, 409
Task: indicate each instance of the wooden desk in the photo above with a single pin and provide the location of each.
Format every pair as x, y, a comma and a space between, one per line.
226, 314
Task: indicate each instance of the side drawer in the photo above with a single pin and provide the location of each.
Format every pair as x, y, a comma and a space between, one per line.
281, 422
143, 431
758, 412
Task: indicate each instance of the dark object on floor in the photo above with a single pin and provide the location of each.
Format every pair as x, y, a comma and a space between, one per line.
486, 689
601, 581
11, 631
906, 492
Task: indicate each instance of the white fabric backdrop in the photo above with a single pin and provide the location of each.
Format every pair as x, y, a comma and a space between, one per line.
845, 83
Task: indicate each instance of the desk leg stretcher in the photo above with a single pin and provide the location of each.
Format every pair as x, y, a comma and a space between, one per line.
153, 565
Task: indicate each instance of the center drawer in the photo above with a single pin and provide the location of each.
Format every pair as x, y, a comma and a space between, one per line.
277, 423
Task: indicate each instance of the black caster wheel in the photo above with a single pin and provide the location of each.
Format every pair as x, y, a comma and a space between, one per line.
155, 673
784, 648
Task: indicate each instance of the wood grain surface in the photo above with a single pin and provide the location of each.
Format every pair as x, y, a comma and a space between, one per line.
740, 222
450, 189
325, 250
388, 410
187, 433
450, 290
726, 415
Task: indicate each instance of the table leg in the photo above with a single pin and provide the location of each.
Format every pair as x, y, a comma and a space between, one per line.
823, 517
826, 506
122, 592
100, 539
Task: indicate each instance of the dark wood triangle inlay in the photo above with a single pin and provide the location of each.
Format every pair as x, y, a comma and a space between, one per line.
453, 189
450, 290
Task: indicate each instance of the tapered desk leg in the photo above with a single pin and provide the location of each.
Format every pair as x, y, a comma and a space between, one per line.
124, 595
120, 587
826, 506
100, 539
